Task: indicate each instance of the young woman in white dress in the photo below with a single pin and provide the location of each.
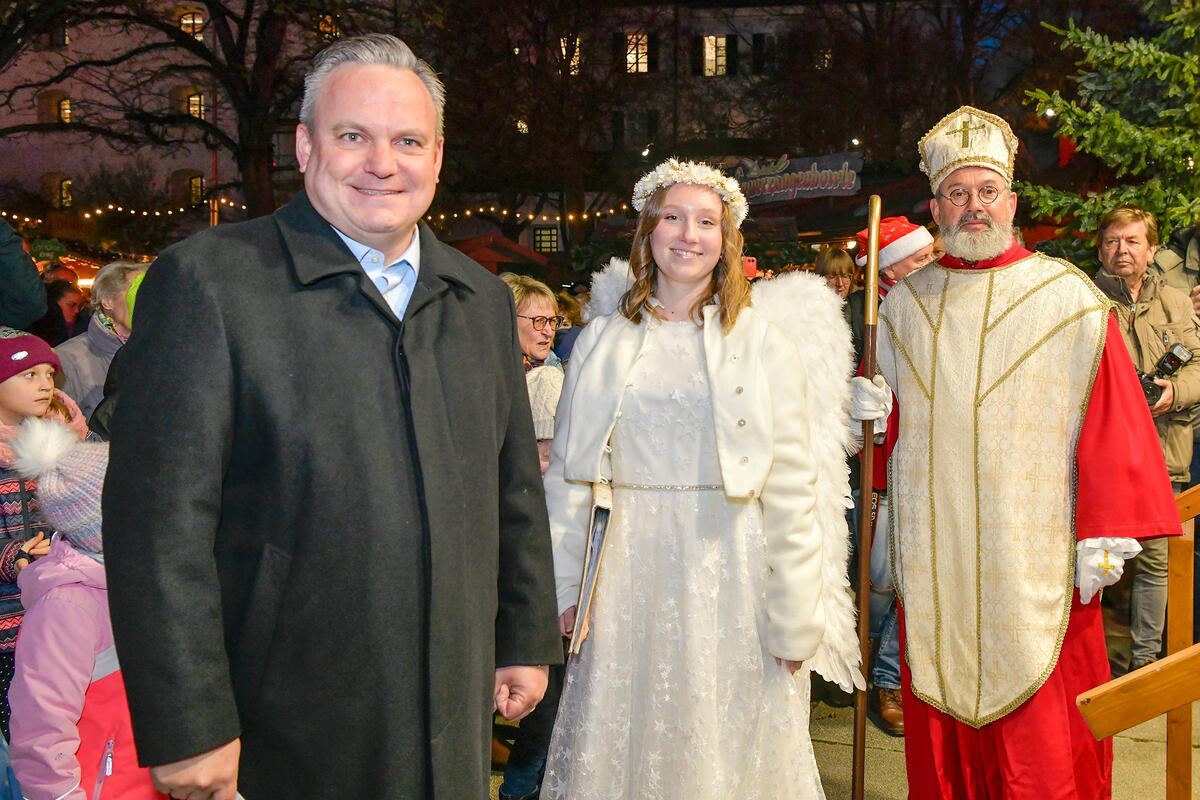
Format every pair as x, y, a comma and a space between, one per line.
718, 416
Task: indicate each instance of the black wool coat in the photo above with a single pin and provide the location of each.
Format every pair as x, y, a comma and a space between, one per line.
324, 528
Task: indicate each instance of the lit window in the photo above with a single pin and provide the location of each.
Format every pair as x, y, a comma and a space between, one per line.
570, 52
60, 37
545, 238
64, 193
823, 59
195, 105
522, 126
714, 56
192, 22
64, 110
637, 52
328, 28
196, 190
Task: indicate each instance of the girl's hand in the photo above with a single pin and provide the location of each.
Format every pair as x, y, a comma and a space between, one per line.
566, 623
792, 666
37, 545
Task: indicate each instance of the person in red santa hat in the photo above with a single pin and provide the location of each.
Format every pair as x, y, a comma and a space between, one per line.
903, 248
1025, 468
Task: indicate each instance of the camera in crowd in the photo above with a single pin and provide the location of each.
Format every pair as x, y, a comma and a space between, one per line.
1171, 361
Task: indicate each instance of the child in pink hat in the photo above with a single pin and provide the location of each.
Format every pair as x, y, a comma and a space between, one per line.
27, 368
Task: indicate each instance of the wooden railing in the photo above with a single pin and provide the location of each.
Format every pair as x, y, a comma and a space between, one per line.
1169, 685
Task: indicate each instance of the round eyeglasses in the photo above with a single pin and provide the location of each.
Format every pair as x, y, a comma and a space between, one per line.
555, 323
960, 196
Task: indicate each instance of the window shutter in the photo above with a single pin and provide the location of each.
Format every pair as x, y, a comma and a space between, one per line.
758, 54
616, 122
652, 61
618, 52
697, 55
731, 54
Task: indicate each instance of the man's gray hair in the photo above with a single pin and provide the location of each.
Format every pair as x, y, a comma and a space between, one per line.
371, 48
113, 281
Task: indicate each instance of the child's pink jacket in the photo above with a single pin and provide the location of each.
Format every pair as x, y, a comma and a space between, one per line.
70, 719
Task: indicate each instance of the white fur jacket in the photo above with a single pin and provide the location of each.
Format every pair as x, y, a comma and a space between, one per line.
781, 398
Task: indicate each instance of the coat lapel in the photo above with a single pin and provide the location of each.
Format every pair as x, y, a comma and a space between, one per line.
317, 251
438, 271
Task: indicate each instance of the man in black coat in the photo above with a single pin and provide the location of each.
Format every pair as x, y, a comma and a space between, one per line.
325, 533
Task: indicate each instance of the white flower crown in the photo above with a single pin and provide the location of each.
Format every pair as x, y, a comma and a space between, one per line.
672, 171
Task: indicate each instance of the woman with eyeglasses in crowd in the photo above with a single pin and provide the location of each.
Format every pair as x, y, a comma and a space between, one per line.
537, 319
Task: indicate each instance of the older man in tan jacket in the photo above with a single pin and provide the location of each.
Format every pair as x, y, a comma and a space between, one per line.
1153, 318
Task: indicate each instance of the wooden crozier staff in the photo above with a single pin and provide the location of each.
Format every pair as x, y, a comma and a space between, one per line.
866, 485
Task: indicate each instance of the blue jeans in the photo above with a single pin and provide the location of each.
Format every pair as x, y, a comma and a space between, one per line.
885, 626
1148, 601
884, 622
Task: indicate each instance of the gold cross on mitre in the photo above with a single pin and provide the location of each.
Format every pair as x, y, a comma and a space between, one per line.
965, 130
967, 137
1106, 565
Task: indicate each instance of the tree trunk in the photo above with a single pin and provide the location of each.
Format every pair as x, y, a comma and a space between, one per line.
258, 188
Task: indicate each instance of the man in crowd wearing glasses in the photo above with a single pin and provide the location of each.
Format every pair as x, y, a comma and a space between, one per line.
1026, 466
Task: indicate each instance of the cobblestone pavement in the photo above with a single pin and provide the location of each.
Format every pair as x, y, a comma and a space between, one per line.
1138, 758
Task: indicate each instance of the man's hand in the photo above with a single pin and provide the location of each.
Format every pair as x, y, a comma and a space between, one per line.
208, 776
872, 401
1168, 397
1099, 562
1195, 295
518, 690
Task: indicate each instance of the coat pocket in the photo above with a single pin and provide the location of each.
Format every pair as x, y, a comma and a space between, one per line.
1167, 334
259, 624
104, 768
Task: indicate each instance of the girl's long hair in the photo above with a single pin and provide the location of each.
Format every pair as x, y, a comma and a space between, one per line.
57, 407
728, 285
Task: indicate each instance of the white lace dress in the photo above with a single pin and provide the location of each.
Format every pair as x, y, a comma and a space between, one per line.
675, 694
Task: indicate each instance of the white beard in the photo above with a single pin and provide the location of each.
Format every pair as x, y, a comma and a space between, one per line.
979, 245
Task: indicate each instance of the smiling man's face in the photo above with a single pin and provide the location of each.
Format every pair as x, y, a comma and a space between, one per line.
372, 158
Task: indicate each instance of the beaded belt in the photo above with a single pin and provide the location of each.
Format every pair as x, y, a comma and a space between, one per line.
703, 487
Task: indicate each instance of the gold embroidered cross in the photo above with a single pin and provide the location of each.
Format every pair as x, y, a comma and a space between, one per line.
1106, 565
965, 130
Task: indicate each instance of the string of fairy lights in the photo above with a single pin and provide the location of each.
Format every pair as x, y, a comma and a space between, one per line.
519, 215
91, 212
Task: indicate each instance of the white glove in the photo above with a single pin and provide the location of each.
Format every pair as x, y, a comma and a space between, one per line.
1099, 562
872, 400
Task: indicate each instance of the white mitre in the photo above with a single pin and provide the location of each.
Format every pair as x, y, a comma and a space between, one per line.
967, 137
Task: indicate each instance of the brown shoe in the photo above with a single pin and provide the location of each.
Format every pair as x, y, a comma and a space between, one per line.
887, 711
